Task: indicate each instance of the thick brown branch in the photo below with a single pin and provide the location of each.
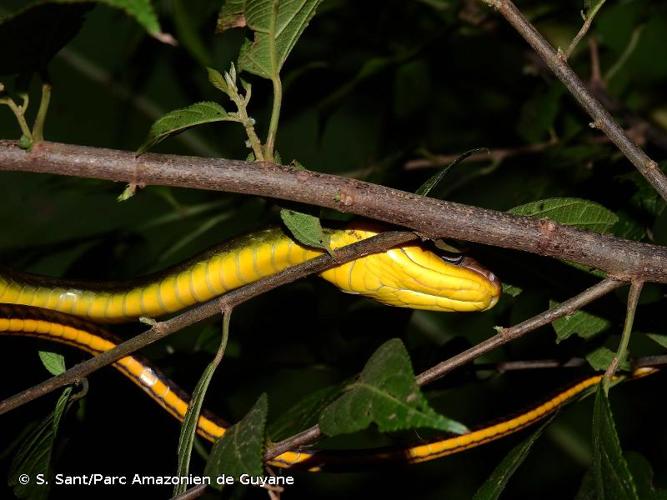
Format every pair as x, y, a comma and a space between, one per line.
601, 117
620, 258
235, 297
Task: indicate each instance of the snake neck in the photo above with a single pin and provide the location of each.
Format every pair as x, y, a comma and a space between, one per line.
242, 261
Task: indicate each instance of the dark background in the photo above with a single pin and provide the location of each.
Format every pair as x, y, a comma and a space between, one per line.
370, 86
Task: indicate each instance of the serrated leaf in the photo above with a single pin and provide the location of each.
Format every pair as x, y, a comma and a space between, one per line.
276, 26
660, 339
241, 448
182, 119
575, 212
601, 357
34, 455
385, 394
53, 362
435, 179
495, 484
570, 211
583, 324
305, 228
303, 414
231, 15
142, 11
610, 470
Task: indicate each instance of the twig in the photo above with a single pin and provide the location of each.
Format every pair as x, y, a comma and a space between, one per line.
601, 117
588, 20
633, 300
506, 335
493, 155
627, 52
620, 258
596, 80
231, 299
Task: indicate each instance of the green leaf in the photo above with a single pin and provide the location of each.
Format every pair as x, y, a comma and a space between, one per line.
575, 212
34, 456
217, 80
642, 472
581, 323
660, 339
182, 119
495, 484
53, 362
435, 179
188, 430
600, 358
276, 25
610, 470
241, 448
303, 414
512, 290
385, 393
142, 11
305, 228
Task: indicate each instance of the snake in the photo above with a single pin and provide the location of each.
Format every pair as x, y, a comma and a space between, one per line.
414, 275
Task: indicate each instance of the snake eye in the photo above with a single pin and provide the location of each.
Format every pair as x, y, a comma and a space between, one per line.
455, 259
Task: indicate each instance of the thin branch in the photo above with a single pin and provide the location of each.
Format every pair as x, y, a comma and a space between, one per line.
622, 259
627, 52
595, 80
506, 335
503, 337
492, 155
231, 299
601, 117
588, 20
633, 300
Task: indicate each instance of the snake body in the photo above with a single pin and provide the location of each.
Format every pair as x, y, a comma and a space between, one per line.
92, 338
412, 276
407, 276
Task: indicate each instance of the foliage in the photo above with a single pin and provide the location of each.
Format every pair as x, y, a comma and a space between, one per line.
361, 89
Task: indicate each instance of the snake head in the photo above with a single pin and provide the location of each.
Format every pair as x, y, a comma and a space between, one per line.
415, 276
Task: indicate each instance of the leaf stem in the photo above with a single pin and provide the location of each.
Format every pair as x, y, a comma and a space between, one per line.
38, 126
275, 117
633, 299
19, 112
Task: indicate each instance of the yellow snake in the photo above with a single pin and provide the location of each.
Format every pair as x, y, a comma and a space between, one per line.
410, 275
407, 276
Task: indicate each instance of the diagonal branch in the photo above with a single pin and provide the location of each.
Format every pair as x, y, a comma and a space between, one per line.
619, 258
602, 119
231, 299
